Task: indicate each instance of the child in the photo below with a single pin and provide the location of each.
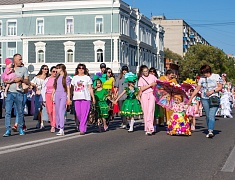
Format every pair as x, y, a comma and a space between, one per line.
179, 123
9, 75
101, 96
193, 110
131, 106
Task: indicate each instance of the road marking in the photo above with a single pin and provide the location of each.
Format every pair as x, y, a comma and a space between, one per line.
41, 142
230, 163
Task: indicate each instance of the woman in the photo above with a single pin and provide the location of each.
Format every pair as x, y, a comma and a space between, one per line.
47, 89
109, 85
82, 93
119, 87
37, 82
210, 85
146, 84
61, 96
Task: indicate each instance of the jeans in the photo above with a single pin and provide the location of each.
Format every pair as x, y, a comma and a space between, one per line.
210, 113
17, 98
37, 107
24, 102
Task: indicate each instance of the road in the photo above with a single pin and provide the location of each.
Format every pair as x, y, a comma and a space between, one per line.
117, 154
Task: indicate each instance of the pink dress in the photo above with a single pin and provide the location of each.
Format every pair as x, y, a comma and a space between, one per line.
7, 77
192, 109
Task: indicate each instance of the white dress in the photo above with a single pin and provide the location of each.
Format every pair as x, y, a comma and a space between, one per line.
225, 104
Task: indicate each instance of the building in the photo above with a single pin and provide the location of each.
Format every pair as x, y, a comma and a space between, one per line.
82, 31
179, 36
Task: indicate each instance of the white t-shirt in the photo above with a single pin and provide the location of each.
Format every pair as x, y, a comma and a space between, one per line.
38, 82
211, 84
81, 87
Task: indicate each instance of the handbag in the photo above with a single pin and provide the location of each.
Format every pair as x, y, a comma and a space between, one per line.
214, 101
92, 116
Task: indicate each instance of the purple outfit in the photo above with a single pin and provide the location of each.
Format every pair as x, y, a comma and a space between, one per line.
60, 102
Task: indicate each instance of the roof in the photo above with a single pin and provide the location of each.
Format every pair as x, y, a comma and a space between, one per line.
12, 2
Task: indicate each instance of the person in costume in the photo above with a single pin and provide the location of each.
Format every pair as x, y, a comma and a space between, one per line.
131, 106
179, 123
193, 110
102, 108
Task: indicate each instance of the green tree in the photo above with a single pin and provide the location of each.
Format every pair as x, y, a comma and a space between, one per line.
171, 55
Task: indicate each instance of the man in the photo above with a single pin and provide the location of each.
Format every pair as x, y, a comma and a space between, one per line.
169, 77
102, 67
13, 96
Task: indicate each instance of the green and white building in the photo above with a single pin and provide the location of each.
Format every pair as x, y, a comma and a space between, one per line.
83, 31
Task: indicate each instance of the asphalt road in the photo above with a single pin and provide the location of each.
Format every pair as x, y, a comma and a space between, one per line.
117, 154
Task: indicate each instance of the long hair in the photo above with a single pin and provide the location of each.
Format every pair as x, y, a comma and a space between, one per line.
121, 72
142, 67
154, 71
84, 67
63, 67
40, 71
111, 74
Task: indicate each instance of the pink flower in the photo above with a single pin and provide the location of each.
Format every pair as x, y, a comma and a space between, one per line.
175, 116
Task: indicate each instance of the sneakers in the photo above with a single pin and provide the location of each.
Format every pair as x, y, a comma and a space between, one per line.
21, 132
7, 133
148, 133
210, 134
192, 127
14, 128
60, 133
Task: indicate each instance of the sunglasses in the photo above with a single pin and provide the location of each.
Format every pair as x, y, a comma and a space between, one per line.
45, 69
151, 71
81, 68
109, 72
54, 71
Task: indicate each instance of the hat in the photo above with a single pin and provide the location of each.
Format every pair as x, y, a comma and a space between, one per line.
178, 97
8, 61
125, 68
102, 65
130, 77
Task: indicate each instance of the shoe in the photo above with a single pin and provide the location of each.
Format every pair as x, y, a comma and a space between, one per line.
42, 126
14, 128
21, 132
123, 127
7, 133
225, 116
130, 130
52, 129
60, 133
193, 128
106, 128
82, 133
148, 133
24, 128
210, 134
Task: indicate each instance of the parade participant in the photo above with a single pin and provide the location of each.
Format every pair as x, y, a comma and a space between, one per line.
101, 96
169, 77
147, 83
102, 68
47, 89
13, 96
210, 84
37, 82
82, 94
193, 109
131, 106
118, 89
61, 96
179, 123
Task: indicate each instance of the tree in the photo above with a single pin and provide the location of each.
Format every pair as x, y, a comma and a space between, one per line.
199, 55
171, 55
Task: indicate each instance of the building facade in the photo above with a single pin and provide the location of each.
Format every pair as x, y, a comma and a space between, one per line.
71, 32
179, 36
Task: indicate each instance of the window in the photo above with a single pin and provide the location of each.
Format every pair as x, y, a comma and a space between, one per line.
100, 55
41, 56
69, 26
11, 49
69, 49
99, 24
0, 28
11, 25
69, 55
40, 26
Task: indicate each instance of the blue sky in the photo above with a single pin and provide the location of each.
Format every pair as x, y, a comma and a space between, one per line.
214, 20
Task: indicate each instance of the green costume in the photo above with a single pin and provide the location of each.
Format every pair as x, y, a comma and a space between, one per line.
131, 106
101, 103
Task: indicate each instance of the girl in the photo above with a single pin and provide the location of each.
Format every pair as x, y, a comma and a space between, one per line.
101, 96
193, 110
131, 106
179, 123
82, 93
61, 96
9, 75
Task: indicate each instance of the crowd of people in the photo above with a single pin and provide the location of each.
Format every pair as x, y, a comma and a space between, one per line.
52, 92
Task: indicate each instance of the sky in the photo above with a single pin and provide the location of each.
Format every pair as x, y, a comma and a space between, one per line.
214, 20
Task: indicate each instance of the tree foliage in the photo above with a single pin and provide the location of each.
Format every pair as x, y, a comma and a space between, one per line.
171, 55
199, 55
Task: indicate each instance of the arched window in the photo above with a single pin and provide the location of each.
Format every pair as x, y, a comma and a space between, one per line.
100, 55
69, 55
41, 56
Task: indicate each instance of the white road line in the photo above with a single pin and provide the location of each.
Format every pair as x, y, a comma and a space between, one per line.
230, 163
41, 142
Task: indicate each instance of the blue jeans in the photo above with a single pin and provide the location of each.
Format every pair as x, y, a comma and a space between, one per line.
37, 104
24, 102
17, 98
210, 114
